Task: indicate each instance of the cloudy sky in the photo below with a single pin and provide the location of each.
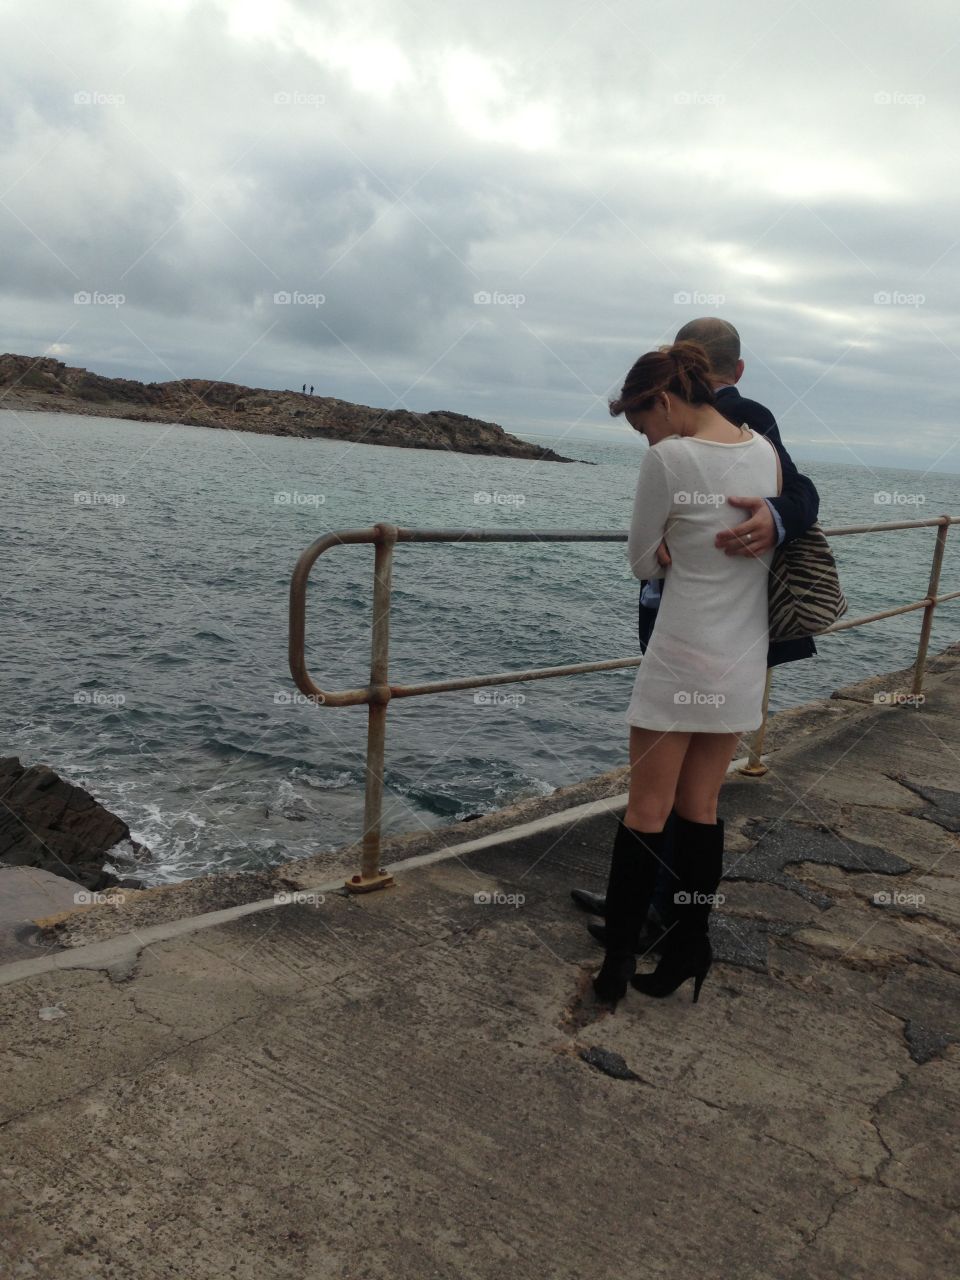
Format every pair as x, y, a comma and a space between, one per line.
495, 208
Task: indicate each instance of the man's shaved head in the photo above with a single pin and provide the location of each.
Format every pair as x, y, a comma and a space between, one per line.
719, 339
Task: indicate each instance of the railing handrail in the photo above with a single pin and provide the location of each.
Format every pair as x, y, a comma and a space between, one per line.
379, 692
346, 537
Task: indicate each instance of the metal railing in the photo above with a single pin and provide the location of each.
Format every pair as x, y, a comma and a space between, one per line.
379, 692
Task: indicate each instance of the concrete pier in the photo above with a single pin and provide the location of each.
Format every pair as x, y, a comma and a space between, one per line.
417, 1084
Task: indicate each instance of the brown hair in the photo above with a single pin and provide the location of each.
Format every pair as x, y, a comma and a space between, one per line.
683, 368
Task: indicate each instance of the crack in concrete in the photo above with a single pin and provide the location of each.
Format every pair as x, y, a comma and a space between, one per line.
818, 1231
905, 1080
146, 1013
123, 1079
889, 1157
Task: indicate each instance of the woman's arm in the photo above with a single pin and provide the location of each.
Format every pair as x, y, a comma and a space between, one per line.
651, 510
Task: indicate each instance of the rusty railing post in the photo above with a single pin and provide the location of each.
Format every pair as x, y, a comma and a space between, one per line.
379, 692
939, 548
372, 876
755, 768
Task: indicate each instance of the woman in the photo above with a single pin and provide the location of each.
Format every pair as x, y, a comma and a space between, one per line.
701, 681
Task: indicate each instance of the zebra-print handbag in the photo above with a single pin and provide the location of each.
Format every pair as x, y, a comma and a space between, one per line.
805, 596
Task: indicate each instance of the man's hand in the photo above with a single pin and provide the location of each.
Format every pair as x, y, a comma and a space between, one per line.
663, 555
759, 526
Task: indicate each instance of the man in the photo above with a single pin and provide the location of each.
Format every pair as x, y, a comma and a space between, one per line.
771, 521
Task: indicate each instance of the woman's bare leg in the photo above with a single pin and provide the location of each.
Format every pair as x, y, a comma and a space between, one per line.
656, 759
702, 774
697, 865
636, 857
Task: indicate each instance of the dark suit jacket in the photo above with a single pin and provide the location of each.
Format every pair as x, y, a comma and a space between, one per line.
799, 503
797, 506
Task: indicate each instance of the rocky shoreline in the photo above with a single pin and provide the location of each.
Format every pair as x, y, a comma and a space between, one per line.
42, 384
52, 825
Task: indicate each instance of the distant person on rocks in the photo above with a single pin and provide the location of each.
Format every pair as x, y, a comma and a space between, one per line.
701, 683
311, 389
783, 517
304, 388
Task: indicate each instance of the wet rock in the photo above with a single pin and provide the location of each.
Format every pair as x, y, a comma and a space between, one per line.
48, 823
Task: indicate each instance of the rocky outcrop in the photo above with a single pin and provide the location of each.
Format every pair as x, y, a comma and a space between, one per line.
41, 383
48, 823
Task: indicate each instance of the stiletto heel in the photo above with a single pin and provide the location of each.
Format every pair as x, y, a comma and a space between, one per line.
686, 951
676, 968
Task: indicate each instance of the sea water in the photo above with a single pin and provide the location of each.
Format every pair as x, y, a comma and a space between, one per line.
144, 621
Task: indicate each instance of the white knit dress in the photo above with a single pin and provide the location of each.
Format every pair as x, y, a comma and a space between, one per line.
705, 666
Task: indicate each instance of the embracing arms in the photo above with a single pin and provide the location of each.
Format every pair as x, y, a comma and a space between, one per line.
769, 519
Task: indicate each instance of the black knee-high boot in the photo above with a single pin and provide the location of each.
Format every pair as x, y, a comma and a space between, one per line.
634, 864
698, 862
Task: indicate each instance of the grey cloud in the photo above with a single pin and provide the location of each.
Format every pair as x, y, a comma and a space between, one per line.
738, 156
